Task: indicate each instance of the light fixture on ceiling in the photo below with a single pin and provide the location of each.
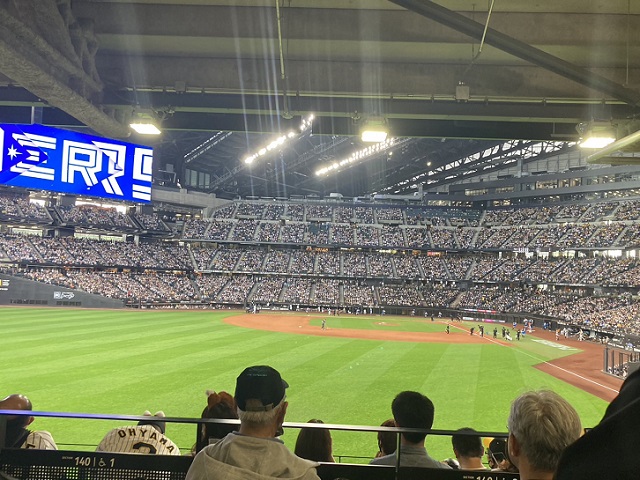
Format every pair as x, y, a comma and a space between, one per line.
305, 125
374, 130
144, 122
356, 157
596, 134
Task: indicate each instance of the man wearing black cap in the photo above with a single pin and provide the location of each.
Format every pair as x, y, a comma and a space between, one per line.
254, 451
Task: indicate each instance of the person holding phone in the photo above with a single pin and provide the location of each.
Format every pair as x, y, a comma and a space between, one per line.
497, 457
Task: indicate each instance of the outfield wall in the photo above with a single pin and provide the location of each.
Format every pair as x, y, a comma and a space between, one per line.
20, 291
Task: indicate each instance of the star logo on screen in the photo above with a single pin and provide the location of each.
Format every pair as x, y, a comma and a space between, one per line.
13, 152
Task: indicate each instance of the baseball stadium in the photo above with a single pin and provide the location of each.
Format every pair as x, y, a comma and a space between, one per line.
479, 253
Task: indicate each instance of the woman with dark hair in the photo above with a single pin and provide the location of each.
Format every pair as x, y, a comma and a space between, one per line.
387, 441
219, 405
315, 444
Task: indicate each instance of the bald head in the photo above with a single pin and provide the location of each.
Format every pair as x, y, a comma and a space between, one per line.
17, 402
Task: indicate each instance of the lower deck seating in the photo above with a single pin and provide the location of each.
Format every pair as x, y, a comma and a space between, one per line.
21, 464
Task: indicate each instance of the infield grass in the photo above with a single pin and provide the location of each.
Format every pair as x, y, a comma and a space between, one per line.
125, 362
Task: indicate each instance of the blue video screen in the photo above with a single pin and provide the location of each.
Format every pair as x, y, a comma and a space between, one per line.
47, 158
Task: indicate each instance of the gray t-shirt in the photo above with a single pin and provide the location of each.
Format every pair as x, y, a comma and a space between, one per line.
410, 456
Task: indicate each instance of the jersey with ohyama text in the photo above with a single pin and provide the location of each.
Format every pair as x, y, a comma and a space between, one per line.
139, 439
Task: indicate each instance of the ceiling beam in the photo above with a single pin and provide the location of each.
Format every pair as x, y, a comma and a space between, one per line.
519, 49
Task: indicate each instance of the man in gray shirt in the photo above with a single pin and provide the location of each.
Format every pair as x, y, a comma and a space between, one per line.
411, 410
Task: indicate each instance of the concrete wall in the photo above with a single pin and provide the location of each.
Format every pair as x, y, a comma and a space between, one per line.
20, 291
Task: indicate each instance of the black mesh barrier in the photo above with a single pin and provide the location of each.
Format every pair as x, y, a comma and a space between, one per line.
24, 464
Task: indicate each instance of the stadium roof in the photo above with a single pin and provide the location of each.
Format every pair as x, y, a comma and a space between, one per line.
226, 78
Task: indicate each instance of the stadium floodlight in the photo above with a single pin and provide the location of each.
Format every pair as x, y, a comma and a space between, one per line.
596, 134
144, 123
374, 130
305, 125
356, 157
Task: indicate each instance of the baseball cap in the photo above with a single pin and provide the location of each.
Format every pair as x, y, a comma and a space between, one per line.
498, 445
154, 420
259, 389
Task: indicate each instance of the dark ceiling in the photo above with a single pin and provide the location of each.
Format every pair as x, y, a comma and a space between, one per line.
226, 78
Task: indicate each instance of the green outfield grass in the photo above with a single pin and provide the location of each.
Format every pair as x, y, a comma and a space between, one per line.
125, 362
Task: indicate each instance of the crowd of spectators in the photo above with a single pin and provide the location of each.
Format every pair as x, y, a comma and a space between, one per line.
277, 261
513, 228
328, 263
389, 214
380, 266
400, 295
302, 262
319, 212
297, 291
406, 267
251, 261
358, 295
273, 212
295, 232
249, 210
326, 292
367, 236
391, 236
202, 258
443, 238
295, 212
269, 232
151, 222
244, 231
341, 235
354, 265
210, 285
268, 290
433, 268
417, 237
225, 260
438, 294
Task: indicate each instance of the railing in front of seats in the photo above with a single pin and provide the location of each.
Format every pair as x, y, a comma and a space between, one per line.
101, 460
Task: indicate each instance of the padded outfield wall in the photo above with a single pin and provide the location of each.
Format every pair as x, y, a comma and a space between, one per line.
20, 291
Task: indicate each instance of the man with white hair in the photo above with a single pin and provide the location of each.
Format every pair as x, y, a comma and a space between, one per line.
541, 425
254, 451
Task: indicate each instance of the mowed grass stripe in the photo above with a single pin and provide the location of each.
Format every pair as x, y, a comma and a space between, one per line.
95, 325
96, 350
146, 365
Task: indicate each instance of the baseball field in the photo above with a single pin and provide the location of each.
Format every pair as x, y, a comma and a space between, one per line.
125, 362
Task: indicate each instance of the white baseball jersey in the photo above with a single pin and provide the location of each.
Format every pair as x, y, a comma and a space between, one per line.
41, 440
139, 439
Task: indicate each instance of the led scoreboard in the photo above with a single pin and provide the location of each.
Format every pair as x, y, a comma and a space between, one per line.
46, 158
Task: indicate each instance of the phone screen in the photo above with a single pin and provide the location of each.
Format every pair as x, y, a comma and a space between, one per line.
498, 457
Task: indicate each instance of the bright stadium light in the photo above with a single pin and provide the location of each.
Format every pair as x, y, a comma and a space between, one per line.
596, 134
306, 124
374, 130
145, 128
356, 157
144, 122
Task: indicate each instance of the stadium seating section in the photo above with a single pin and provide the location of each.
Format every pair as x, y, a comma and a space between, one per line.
543, 260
